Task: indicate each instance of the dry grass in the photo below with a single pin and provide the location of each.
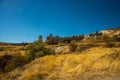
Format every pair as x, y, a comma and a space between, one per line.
84, 66
11, 50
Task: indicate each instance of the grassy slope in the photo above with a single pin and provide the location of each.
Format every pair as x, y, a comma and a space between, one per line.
11, 50
93, 64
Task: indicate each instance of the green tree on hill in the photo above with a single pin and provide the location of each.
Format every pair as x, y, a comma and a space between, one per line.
37, 49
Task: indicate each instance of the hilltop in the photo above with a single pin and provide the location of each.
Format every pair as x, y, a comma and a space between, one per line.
111, 31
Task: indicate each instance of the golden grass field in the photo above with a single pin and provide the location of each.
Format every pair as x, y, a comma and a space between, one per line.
12, 50
97, 63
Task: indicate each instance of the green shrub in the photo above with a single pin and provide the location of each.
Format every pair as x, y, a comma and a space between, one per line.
49, 51
61, 44
37, 49
39, 54
73, 46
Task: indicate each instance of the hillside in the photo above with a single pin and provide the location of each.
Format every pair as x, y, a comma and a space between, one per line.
10, 49
93, 64
111, 31
94, 58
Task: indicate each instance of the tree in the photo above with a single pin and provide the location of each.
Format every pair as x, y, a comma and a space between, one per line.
37, 49
49, 39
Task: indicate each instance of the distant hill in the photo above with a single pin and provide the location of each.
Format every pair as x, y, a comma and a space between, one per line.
16, 44
56, 39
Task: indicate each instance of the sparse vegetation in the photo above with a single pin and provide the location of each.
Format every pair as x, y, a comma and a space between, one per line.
95, 58
10, 62
89, 65
73, 46
37, 49
108, 44
61, 44
83, 47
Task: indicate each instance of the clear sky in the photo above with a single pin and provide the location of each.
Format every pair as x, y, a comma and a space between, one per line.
25, 20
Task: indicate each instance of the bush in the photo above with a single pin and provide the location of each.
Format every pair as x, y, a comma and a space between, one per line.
39, 52
73, 46
108, 44
61, 44
81, 48
37, 49
49, 51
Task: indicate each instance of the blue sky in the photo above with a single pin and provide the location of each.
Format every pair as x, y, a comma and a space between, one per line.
25, 20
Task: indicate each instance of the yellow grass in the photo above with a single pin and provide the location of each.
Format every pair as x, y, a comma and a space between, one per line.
74, 66
12, 50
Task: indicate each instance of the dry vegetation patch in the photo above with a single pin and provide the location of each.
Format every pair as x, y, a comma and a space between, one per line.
89, 65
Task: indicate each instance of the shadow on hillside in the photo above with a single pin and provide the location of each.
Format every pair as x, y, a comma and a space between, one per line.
11, 62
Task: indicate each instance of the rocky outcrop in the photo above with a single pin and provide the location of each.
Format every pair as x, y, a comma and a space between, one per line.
62, 49
112, 31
